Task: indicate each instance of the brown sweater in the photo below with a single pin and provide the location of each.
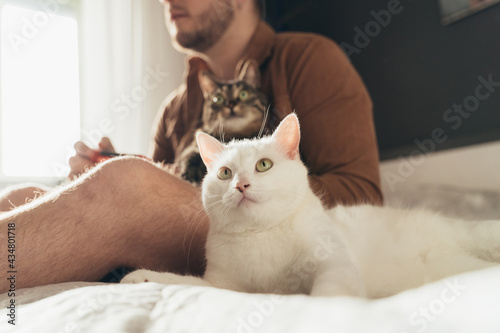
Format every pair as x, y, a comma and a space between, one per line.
310, 75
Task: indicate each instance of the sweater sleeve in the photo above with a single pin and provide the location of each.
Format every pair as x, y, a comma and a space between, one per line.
338, 136
168, 122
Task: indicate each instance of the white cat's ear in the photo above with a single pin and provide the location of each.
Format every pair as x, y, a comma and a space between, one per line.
210, 148
287, 136
250, 73
208, 84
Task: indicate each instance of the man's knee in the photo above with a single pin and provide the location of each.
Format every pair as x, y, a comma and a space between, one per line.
132, 176
127, 170
134, 183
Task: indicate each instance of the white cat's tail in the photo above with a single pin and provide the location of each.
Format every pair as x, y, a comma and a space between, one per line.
481, 239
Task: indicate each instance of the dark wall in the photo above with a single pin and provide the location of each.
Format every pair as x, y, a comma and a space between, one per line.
415, 68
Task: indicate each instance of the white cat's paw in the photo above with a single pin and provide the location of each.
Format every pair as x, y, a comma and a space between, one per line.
144, 275
139, 276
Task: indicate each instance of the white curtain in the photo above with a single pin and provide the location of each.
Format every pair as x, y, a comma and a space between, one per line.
128, 68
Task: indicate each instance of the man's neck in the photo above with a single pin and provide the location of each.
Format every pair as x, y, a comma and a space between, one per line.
223, 57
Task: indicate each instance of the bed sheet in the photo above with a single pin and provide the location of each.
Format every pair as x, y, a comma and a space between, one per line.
464, 303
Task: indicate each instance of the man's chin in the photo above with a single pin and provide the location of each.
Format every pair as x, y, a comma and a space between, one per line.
186, 42
179, 47
182, 41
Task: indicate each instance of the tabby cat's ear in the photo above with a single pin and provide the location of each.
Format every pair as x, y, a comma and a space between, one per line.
287, 136
250, 73
208, 84
210, 148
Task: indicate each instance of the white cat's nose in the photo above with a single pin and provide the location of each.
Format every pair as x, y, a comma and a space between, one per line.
242, 186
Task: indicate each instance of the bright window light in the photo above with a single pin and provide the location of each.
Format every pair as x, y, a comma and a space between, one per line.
40, 107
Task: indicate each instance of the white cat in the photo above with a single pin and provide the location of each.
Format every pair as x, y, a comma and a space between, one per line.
270, 234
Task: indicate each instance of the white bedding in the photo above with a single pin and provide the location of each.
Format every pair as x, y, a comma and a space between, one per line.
464, 303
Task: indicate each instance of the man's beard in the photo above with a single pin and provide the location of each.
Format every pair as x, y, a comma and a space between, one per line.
214, 23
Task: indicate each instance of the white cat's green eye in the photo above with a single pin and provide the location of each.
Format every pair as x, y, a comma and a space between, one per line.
243, 95
218, 99
225, 173
264, 165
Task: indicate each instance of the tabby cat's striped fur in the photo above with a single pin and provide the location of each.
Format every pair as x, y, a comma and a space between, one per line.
232, 110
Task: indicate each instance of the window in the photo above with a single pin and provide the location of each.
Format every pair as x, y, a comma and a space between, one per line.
39, 89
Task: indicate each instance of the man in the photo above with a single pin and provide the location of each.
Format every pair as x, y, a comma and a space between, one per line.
129, 213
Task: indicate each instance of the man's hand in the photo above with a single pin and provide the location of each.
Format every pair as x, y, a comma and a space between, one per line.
81, 161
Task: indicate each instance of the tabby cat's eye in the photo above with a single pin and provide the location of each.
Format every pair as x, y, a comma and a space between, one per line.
243, 95
218, 99
225, 173
264, 165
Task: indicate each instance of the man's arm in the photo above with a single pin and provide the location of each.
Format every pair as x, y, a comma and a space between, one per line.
335, 110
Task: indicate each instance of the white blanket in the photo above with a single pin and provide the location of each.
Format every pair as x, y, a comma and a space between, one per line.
464, 303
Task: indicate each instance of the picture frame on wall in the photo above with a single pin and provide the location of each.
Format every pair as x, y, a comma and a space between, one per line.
454, 10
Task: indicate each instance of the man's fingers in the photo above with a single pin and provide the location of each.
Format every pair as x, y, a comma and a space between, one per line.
82, 149
85, 157
106, 145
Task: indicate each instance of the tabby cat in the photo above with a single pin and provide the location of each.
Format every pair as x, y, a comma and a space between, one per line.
232, 110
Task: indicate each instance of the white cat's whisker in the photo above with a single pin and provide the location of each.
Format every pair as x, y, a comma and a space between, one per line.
221, 130
266, 114
191, 223
192, 237
207, 210
225, 213
207, 206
